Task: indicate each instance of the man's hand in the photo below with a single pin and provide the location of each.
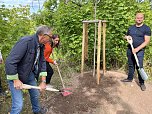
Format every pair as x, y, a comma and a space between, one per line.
42, 86
129, 39
135, 50
18, 84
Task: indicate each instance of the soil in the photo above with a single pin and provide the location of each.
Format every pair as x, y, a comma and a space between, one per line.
111, 96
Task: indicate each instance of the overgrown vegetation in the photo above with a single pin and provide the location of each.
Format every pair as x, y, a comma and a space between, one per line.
67, 21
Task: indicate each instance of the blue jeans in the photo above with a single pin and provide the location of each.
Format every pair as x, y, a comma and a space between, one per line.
132, 64
17, 96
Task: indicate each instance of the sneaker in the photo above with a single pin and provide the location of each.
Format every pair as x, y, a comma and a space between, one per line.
126, 80
49, 86
42, 111
142, 86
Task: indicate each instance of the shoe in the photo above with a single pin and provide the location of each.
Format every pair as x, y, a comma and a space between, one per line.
142, 86
126, 80
43, 111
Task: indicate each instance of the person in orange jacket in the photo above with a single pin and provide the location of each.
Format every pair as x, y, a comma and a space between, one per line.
48, 50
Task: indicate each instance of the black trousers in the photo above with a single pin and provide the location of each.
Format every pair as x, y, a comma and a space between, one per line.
50, 73
132, 64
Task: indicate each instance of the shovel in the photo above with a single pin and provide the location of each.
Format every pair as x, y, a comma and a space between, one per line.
140, 70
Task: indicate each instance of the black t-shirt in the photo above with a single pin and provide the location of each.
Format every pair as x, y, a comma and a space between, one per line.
138, 33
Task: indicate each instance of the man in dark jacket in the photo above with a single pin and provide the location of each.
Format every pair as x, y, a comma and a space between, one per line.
24, 64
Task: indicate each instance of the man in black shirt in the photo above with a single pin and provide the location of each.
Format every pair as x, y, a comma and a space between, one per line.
140, 34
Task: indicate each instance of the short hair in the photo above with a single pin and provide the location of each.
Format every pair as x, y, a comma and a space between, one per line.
139, 12
43, 29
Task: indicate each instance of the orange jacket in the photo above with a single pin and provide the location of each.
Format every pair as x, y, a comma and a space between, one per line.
47, 52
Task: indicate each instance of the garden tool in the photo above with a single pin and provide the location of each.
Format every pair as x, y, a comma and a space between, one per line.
25, 86
140, 70
66, 90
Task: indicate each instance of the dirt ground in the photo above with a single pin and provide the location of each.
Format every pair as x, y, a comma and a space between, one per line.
111, 96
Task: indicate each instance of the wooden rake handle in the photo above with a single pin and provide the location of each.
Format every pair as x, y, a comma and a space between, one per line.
25, 86
60, 76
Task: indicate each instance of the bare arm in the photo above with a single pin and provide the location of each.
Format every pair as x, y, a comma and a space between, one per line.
145, 43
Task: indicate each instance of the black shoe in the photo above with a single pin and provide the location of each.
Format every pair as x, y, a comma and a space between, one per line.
42, 111
126, 80
142, 86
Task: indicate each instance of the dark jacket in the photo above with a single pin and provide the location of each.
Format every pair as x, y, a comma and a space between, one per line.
20, 61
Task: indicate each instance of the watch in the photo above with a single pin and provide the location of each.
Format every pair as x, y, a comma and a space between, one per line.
44, 81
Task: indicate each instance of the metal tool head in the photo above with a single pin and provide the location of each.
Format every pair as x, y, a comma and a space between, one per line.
66, 91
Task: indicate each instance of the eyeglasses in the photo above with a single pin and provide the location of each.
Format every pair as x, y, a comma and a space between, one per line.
48, 36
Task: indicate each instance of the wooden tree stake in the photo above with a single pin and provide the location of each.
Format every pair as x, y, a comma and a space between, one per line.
98, 51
